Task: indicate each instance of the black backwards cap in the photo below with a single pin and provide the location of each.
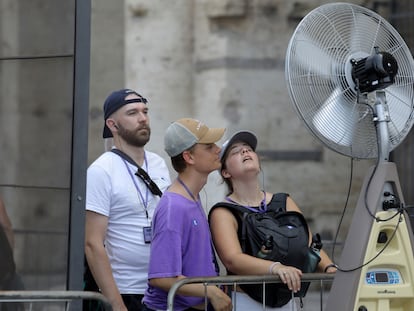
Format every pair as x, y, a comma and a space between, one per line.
244, 136
115, 101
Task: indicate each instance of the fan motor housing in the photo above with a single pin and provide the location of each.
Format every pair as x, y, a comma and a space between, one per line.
374, 72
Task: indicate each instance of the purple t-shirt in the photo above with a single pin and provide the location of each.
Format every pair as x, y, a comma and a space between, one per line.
181, 245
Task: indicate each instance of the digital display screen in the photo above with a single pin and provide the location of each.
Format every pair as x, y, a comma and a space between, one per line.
381, 277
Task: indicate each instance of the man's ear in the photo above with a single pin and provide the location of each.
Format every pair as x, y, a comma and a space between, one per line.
111, 124
188, 157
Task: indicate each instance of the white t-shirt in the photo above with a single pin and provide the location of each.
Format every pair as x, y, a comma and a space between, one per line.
113, 190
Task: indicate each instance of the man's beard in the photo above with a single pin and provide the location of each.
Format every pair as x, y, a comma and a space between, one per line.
135, 138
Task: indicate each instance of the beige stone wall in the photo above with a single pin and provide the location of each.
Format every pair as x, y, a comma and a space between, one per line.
107, 64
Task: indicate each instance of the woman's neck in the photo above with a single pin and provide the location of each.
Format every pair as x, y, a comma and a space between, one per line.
247, 194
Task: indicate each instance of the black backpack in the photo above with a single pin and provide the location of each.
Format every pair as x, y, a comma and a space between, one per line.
289, 233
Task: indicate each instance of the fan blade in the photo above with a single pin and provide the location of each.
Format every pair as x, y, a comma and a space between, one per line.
363, 25
332, 120
311, 57
400, 108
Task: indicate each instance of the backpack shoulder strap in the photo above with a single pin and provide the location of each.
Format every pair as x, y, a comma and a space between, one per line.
240, 212
231, 206
278, 202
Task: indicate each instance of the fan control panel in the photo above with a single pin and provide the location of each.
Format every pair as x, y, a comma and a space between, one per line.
383, 277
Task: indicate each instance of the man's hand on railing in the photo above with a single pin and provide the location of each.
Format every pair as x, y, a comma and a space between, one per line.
219, 299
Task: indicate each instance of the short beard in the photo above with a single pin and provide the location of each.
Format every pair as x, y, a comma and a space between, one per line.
134, 138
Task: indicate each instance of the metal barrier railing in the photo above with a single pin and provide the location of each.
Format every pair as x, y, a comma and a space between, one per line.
246, 279
49, 296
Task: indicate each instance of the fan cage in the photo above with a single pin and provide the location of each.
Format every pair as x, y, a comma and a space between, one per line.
318, 75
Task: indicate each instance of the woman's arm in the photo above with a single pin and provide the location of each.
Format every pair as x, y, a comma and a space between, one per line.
223, 227
326, 264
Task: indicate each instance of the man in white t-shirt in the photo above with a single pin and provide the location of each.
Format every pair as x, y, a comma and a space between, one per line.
120, 201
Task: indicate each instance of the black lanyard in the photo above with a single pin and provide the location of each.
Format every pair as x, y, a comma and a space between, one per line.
152, 186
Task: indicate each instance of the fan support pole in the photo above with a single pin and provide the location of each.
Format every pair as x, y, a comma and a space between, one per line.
386, 281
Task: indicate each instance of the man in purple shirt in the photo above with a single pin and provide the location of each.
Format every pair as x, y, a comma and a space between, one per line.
181, 245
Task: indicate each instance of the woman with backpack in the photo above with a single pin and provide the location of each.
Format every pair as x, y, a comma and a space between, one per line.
240, 170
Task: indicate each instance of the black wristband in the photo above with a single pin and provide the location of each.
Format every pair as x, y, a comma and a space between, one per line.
332, 265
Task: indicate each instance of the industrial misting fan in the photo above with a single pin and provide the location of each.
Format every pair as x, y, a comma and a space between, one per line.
350, 76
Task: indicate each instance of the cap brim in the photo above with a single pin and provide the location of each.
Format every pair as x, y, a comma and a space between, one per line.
245, 136
213, 135
106, 132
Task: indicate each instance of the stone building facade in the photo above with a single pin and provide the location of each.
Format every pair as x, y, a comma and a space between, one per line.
223, 62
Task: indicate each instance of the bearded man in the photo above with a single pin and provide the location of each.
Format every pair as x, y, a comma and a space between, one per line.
123, 187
